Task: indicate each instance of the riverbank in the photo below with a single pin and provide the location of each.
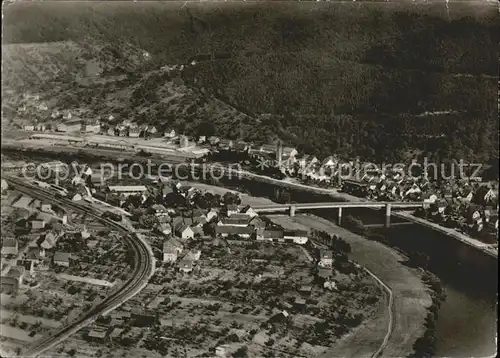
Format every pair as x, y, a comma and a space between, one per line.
411, 296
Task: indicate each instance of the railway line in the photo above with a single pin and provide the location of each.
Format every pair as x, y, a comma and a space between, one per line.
142, 271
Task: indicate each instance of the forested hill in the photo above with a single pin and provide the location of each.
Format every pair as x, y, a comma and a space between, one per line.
375, 80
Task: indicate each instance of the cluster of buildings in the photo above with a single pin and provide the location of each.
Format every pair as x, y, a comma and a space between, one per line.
34, 243
229, 222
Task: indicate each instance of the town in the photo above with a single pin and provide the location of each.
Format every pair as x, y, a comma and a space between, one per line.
468, 205
249, 179
204, 243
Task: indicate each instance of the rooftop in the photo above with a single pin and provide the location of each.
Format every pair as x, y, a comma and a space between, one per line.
61, 256
127, 188
233, 230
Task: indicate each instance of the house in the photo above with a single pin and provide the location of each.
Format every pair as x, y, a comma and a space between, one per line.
330, 285
158, 209
241, 146
61, 258
235, 220
47, 241
330, 161
69, 127
325, 258
41, 127
37, 224
17, 272
212, 214
414, 189
128, 189
299, 303
170, 252
185, 266
440, 206
9, 285
305, 290
223, 351
24, 202
242, 231
474, 216
152, 130
289, 153
28, 266
447, 192
484, 195
202, 139
47, 208
97, 334
269, 235
10, 247
324, 272
466, 195
355, 187
257, 223
94, 127
184, 232
199, 221
198, 231
247, 210
268, 148
381, 187
296, 236
430, 198
134, 132
232, 209
193, 255
225, 144
29, 127
169, 133
213, 140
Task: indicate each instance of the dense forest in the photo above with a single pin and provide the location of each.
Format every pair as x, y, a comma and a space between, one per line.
391, 82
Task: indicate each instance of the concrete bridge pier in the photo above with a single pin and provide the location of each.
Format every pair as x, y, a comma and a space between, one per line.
292, 210
339, 221
388, 216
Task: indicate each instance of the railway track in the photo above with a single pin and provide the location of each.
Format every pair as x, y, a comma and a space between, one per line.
142, 271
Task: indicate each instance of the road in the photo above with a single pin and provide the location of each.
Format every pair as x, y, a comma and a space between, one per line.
143, 269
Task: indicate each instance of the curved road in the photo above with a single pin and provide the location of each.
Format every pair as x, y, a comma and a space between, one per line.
143, 270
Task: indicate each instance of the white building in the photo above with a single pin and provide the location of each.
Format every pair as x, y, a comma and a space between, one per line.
128, 189
298, 237
9, 247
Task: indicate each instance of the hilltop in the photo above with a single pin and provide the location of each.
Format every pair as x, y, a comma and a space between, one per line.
355, 79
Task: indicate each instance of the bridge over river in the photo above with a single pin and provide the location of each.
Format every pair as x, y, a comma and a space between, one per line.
293, 208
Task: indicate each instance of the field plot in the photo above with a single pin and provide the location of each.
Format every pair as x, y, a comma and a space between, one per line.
251, 295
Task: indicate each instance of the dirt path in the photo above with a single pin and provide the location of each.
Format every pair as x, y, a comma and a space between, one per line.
410, 296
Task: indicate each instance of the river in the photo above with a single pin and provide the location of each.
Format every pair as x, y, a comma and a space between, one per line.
466, 324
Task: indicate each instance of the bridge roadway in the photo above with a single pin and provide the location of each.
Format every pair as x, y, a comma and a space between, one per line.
141, 273
292, 208
328, 205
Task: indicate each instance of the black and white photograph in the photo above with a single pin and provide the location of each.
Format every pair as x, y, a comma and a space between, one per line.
249, 178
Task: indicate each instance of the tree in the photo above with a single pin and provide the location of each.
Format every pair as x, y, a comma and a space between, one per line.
354, 224
241, 352
231, 198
